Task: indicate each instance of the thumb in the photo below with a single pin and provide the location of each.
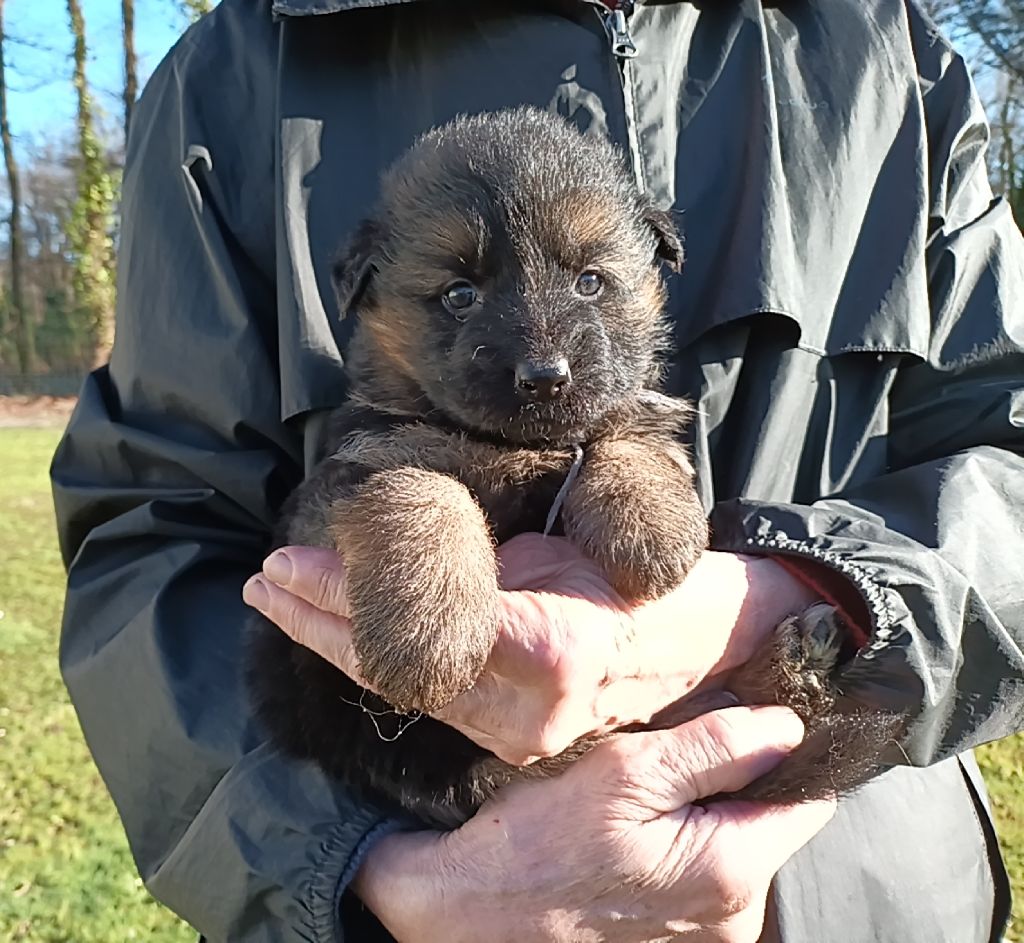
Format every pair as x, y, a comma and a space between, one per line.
664, 770
325, 633
314, 574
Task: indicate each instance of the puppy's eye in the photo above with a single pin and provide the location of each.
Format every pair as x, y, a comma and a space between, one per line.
459, 297
589, 284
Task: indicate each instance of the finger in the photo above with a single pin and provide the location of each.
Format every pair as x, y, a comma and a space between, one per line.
770, 834
527, 559
328, 635
314, 574
664, 770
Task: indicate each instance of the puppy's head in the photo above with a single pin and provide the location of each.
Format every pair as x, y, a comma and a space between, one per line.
511, 277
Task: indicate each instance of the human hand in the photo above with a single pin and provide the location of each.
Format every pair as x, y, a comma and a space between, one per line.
613, 850
572, 657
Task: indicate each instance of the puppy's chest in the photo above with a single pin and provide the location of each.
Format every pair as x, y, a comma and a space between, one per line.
514, 507
515, 486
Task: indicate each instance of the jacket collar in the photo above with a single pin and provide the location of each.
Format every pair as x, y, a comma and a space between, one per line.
315, 7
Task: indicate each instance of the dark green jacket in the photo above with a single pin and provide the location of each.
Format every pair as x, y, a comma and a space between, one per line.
850, 322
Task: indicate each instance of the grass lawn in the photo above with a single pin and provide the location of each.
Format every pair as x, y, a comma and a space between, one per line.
65, 872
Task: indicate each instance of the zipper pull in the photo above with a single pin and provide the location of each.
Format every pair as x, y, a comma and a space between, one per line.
617, 25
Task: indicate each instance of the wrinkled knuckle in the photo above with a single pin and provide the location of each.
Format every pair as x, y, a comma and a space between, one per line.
326, 590
722, 740
283, 613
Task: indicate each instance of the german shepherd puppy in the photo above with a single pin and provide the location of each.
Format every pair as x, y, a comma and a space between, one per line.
503, 377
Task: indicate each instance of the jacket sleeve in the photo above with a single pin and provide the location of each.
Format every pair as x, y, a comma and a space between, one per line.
165, 485
936, 545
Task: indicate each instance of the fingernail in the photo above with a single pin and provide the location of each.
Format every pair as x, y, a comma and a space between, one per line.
255, 594
278, 568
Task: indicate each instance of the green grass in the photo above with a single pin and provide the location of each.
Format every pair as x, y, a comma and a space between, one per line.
65, 872
1003, 767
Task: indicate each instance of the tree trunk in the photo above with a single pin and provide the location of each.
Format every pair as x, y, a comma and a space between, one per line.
131, 84
89, 231
24, 333
1013, 157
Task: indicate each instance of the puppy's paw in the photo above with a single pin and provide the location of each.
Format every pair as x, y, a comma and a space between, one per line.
794, 667
635, 512
422, 585
815, 637
841, 749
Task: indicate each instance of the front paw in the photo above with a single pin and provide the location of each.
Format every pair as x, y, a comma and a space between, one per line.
634, 511
422, 586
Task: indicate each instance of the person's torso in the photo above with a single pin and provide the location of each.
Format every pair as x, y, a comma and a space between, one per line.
790, 141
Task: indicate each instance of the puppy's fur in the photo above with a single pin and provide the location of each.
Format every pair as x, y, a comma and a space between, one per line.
503, 247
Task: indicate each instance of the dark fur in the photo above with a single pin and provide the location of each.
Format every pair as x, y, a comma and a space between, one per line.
436, 457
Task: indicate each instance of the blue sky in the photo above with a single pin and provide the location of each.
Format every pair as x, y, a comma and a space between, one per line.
41, 101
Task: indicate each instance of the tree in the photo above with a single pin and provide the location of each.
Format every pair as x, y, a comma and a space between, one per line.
1006, 155
196, 8
991, 34
20, 316
91, 222
131, 82
997, 24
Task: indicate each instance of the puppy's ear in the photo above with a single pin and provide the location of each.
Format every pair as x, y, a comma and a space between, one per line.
355, 265
670, 244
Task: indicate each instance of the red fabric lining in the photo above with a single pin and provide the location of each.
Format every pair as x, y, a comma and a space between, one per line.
836, 590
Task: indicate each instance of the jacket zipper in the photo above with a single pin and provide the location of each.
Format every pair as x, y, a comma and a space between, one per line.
884, 623
616, 23
615, 19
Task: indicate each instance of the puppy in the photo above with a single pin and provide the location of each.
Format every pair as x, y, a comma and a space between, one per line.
503, 377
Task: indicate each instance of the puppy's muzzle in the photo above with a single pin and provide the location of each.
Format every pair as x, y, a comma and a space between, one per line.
542, 382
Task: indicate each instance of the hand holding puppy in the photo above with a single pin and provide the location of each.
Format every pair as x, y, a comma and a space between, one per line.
572, 657
612, 850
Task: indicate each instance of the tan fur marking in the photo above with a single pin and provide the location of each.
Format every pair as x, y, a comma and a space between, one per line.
419, 445
392, 335
586, 220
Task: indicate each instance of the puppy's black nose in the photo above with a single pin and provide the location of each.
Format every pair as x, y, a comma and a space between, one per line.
542, 382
